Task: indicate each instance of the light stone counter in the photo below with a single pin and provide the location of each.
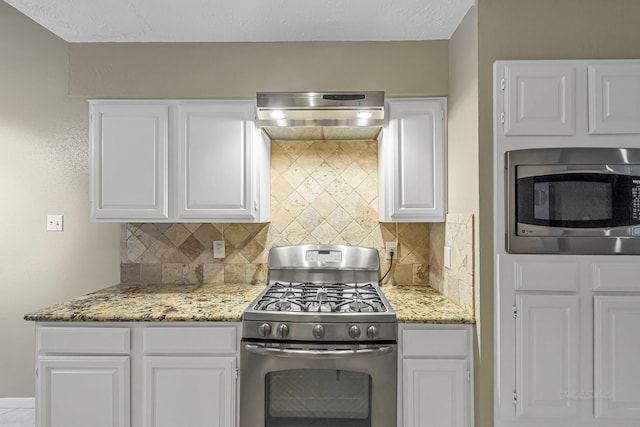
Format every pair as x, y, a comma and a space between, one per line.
154, 303
423, 304
223, 303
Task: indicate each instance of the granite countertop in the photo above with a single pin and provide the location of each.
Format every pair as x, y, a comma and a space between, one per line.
154, 303
423, 304
223, 303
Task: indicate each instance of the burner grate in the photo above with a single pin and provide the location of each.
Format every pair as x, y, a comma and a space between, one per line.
321, 297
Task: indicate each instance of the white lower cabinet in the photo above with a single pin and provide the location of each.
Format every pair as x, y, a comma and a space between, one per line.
136, 374
83, 391
547, 355
188, 391
567, 342
83, 377
435, 376
189, 376
617, 358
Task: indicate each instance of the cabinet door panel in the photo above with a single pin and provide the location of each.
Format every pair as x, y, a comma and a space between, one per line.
413, 170
614, 98
434, 393
215, 152
547, 355
129, 161
189, 391
539, 99
83, 391
617, 357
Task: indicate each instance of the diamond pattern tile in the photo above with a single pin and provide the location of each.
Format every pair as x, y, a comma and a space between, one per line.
321, 192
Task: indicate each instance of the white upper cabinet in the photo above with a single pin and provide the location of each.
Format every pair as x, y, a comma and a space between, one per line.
178, 161
614, 97
412, 161
129, 161
583, 99
215, 171
539, 99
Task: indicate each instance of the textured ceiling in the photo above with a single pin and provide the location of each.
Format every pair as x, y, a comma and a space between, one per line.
78, 21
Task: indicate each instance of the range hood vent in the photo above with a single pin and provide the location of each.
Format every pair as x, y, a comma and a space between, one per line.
295, 116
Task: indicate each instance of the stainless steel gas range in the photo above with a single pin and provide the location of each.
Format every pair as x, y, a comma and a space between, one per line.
319, 344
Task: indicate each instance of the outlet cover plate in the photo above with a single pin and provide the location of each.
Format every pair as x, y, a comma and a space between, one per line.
391, 246
218, 249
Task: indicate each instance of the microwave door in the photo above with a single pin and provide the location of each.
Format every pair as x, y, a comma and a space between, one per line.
573, 200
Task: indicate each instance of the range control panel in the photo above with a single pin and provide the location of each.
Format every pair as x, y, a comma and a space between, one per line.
323, 256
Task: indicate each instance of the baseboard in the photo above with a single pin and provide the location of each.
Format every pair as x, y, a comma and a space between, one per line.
17, 402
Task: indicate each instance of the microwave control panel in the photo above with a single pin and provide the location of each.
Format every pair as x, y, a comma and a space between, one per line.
635, 200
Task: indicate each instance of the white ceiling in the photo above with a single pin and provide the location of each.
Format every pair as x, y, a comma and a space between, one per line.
78, 21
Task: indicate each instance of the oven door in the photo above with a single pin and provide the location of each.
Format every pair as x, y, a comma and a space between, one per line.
287, 385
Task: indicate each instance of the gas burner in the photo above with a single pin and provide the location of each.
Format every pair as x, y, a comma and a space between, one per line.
321, 293
321, 298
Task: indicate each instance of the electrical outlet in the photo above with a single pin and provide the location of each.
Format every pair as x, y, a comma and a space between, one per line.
218, 249
54, 222
392, 247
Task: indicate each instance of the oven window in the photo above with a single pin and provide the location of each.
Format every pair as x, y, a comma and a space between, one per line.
318, 397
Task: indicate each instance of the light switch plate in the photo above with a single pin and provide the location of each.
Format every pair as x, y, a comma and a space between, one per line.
447, 257
54, 222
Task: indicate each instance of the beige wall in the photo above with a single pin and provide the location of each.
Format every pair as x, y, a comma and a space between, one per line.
533, 29
43, 170
239, 70
463, 166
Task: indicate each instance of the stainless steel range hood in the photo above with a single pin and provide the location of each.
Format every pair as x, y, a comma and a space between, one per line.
321, 115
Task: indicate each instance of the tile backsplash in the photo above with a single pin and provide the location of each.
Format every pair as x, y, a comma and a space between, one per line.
456, 283
321, 192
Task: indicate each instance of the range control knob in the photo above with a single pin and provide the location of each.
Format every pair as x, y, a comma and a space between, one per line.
283, 330
264, 330
318, 332
373, 332
354, 331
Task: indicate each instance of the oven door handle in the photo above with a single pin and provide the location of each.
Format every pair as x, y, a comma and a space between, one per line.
317, 354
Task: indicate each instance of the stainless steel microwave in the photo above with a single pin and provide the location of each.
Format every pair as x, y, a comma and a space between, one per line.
573, 201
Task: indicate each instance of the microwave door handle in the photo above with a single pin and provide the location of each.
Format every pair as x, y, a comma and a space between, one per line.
317, 354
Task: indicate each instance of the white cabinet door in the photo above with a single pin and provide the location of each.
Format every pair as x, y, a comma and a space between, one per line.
617, 358
217, 146
129, 161
539, 98
435, 393
412, 161
547, 355
78, 391
189, 391
614, 97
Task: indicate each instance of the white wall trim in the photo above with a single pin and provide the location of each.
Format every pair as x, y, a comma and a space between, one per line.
18, 402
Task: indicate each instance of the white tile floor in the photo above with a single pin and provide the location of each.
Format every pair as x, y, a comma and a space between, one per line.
20, 417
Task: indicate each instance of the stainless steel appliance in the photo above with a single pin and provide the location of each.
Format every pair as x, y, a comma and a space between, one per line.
321, 115
319, 344
573, 200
